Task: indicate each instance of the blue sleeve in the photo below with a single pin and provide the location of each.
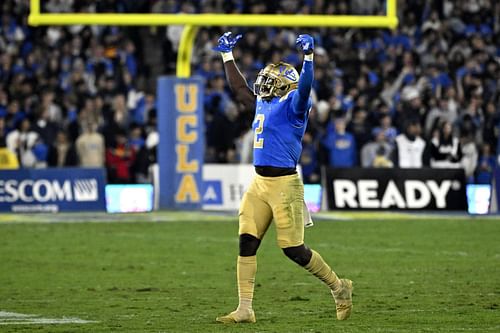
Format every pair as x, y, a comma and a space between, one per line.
300, 99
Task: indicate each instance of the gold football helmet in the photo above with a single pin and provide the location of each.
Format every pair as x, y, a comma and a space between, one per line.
276, 80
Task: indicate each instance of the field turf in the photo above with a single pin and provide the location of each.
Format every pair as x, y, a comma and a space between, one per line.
133, 274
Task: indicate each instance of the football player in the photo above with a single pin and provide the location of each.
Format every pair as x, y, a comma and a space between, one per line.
281, 100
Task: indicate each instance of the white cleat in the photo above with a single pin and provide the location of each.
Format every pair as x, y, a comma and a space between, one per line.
238, 316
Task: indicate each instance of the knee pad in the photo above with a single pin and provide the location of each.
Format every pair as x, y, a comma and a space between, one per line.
248, 245
300, 254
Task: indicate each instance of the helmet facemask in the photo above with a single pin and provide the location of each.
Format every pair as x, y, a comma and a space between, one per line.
276, 80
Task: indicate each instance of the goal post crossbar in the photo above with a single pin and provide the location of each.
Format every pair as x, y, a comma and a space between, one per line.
194, 21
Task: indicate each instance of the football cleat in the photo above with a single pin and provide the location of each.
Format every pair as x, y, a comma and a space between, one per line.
238, 316
343, 299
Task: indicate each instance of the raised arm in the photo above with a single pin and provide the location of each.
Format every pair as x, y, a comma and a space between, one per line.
236, 80
301, 98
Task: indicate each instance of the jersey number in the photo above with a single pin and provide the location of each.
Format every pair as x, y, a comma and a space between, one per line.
259, 142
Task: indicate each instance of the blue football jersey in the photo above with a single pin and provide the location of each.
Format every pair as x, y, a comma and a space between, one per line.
278, 132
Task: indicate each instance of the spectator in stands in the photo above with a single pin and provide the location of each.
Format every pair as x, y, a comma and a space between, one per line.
490, 124
445, 148
136, 139
385, 126
340, 145
119, 160
470, 124
46, 129
3, 132
469, 157
90, 147
441, 64
222, 133
360, 127
442, 112
382, 160
14, 114
21, 142
140, 165
319, 120
377, 153
410, 149
62, 152
245, 147
40, 151
309, 160
412, 107
151, 122
216, 97
50, 109
485, 165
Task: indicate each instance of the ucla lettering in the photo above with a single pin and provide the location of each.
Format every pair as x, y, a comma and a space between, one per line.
187, 189
183, 134
183, 165
186, 97
187, 133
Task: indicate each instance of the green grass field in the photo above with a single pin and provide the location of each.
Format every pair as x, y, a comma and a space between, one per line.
411, 275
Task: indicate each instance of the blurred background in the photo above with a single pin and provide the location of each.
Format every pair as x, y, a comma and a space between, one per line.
85, 96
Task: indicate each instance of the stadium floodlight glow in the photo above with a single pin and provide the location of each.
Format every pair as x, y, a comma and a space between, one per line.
390, 20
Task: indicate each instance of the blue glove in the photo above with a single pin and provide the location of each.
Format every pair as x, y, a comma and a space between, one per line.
227, 42
306, 43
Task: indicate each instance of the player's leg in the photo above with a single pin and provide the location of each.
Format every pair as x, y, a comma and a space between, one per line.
289, 219
312, 261
254, 219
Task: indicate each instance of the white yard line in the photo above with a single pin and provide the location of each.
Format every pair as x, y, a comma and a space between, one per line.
116, 218
5, 314
14, 318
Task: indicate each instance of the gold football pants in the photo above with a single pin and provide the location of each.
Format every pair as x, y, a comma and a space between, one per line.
278, 198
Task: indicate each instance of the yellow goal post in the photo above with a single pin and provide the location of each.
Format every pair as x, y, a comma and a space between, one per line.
193, 21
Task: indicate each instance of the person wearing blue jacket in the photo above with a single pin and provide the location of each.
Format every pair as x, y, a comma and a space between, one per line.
340, 145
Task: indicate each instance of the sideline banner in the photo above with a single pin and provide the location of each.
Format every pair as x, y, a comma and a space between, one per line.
225, 184
181, 147
396, 189
52, 190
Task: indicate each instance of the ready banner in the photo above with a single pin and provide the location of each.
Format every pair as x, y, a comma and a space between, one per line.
52, 190
396, 189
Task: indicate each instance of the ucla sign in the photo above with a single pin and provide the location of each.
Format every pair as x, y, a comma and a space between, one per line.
181, 147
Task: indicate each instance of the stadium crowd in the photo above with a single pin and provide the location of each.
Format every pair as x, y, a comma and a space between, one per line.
424, 94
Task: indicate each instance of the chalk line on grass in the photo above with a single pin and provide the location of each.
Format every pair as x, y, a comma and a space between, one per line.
14, 318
